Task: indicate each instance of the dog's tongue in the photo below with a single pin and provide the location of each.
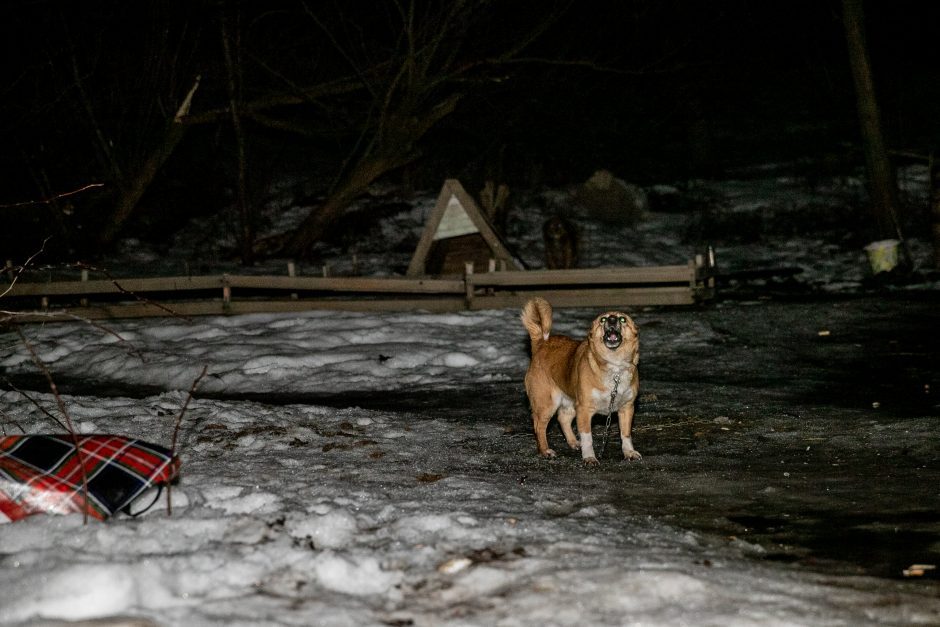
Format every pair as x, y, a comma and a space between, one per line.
612, 337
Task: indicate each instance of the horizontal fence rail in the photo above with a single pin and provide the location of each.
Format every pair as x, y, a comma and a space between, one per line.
239, 294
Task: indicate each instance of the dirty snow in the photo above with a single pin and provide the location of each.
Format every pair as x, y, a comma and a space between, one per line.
295, 512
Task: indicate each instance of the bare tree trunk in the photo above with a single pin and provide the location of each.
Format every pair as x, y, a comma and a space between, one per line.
882, 183
134, 189
934, 180
231, 48
395, 149
363, 174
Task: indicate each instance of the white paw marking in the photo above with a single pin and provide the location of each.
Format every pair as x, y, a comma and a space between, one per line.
587, 448
626, 445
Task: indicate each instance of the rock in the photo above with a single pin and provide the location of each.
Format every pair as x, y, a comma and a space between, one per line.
612, 200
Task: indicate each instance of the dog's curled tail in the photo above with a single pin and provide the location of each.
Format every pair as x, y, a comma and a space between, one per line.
537, 318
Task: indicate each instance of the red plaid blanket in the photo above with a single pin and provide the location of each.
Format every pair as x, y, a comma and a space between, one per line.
42, 474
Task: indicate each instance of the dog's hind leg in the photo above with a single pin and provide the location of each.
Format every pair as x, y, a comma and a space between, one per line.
540, 424
565, 418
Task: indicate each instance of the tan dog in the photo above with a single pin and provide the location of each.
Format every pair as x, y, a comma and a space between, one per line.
578, 379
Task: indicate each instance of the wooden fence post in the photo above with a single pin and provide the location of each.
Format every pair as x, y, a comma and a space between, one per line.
468, 283
226, 294
292, 272
491, 268
84, 301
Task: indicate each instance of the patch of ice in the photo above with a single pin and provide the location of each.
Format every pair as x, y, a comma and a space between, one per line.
254, 502
355, 575
72, 592
334, 529
457, 360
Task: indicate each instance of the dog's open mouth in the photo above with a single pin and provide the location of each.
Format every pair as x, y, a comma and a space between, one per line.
612, 338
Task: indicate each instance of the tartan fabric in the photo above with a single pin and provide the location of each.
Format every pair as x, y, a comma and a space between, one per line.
43, 473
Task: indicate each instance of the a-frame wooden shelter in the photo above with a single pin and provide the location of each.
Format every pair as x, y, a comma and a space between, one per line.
457, 233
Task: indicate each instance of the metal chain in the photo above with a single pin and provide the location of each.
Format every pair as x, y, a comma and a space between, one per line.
610, 412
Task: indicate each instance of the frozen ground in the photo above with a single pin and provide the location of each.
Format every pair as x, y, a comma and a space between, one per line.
379, 469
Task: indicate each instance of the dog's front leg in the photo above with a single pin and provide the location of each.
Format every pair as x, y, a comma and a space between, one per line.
625, 415
584, 433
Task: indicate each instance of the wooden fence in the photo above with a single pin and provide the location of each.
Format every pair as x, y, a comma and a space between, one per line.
238, 294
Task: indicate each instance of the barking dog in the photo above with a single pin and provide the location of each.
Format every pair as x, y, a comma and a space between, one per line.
581, 378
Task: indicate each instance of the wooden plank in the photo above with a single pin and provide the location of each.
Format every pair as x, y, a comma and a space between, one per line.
587, 276
107, 286
610, 287
181, 284
219, 308
603, 298
599, 298
426, 285
434, 305
350, 284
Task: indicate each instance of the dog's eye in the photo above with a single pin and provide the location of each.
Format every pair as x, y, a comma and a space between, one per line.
622, 319
603, 319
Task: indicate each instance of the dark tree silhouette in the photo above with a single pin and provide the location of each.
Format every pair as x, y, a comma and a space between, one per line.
882, 183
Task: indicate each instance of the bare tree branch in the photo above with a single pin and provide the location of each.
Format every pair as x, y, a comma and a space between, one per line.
176, 430
51, 199
65, 414
138, 297
22, 268
36, 404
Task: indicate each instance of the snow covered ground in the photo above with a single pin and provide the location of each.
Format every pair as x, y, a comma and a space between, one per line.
312, 493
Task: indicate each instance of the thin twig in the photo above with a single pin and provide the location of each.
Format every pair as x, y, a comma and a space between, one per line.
133, 351
179, 418
8, 418
68, 419
176, 430
10, 316
143, 299
36, 404
23, 268
51, 199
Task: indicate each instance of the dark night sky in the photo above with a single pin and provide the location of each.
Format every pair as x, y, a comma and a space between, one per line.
654, 90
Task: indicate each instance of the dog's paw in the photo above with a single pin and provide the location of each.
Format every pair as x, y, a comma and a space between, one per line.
549, 453
591, 461
631, 455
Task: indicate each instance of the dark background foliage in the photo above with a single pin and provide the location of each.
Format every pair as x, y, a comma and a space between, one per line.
655, 91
